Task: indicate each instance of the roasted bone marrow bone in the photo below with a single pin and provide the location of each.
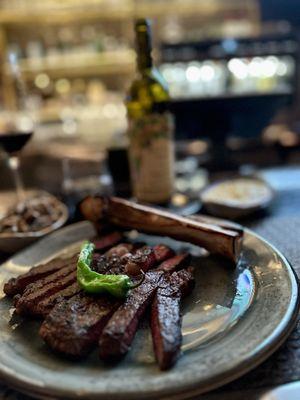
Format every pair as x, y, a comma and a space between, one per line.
129, 215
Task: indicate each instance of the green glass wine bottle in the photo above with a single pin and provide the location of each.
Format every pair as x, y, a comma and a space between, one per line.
150, 126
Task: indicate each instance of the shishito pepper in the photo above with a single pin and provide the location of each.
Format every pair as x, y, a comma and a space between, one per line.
95, 283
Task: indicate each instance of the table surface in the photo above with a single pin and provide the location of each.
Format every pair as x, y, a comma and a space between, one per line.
281, 226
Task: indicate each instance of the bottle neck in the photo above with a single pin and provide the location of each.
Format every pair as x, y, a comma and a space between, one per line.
144, 62
143, 46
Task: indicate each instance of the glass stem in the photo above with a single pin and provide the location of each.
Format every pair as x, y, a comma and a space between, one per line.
14, 164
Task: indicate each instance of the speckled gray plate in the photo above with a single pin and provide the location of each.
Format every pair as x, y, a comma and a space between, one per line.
234, 319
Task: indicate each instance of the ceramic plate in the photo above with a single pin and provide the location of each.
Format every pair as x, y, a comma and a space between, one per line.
234, 319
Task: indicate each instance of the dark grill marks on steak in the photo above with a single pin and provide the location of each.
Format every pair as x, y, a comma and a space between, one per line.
17, 285
119, 333
74, 326
27, 303
174, 263
43, 308
86, 325
166, 317
39, 298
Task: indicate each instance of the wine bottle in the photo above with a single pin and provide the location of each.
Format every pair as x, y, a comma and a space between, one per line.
150, 126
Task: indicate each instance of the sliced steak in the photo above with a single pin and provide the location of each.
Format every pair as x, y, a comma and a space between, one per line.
120, 250
112, 260
119, 333
40, 297
86, 319
146, 258
162, 252
27, 303
105, 242
166, 317
74, 326
143, 259
17, 285
43, 308
174, 263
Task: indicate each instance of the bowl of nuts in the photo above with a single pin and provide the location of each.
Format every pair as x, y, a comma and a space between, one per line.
23, 223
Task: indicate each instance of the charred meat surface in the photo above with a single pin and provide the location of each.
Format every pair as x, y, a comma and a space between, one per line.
117, 265
127, 214
120, 250
146, 258
119, 333
112, 260
105, 242
162, 252
174, 263
28, 302
74, 326
143, 259
74, 321
40, 297
43, 307
166, 317
17, 285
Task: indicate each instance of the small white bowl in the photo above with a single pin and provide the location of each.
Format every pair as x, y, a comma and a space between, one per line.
237, 197
11, 242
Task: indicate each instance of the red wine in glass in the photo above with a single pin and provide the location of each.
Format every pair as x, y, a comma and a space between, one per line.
12, 143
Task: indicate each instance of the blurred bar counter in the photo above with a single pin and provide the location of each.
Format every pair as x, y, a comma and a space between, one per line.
63, 164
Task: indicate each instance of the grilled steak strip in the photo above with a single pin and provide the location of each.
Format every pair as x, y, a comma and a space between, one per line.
73, 326
176, 262
28, 302
105, 242
17, 285
127, 214
84, 325
41, 296
101, 264
162, 252
166, 317
146, 258
119, 332
43, 308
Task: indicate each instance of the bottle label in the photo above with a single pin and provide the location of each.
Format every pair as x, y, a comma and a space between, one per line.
151, 157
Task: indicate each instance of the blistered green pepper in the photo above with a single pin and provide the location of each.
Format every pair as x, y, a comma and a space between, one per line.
95, 283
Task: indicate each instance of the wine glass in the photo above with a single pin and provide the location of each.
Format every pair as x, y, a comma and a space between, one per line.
16, 126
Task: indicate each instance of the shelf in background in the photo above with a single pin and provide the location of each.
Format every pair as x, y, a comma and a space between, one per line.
75, 65
57, 17
127, 10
